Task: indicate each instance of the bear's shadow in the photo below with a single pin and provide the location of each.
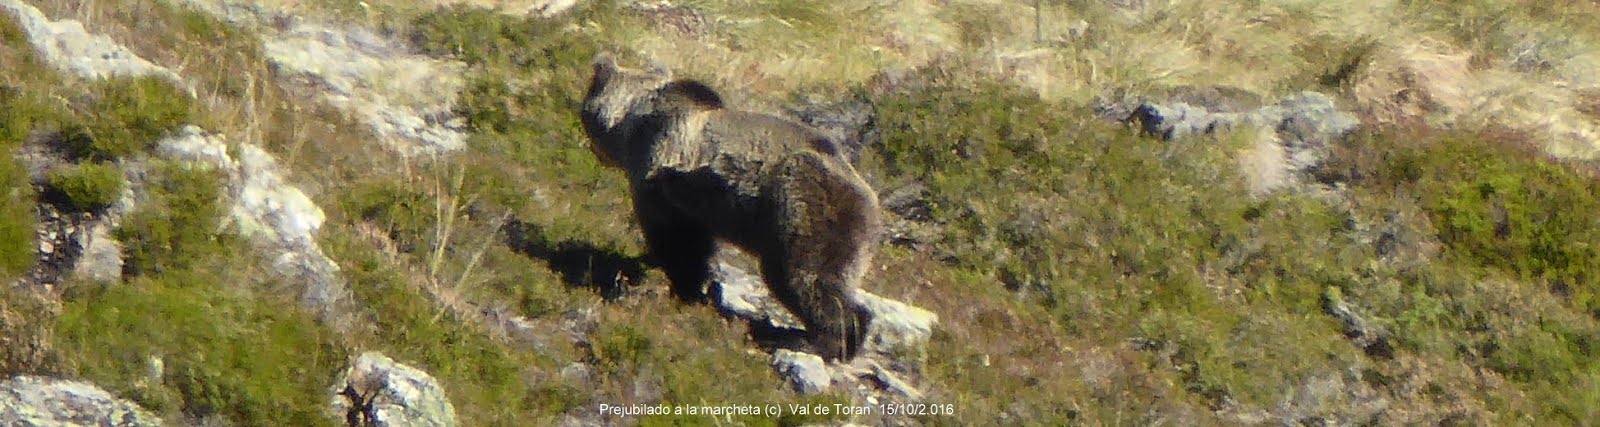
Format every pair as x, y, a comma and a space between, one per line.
582, 264
608, 272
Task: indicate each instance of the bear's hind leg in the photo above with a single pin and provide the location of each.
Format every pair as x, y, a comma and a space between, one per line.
826, 223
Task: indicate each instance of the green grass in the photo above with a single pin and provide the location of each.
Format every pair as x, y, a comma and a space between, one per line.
16, 219
1118, 236
483, 376
1504, 214
225, 351
25, 107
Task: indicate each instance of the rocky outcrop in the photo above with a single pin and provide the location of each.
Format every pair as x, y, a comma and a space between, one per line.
266, 207
68, 46
378, 391
38, 401
405, 99
1292, 136
271, 211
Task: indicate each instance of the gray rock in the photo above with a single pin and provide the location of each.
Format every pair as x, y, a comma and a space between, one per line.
806, 372
743, 295
380, 392
101, 259
39, 401
896, 325
1302, 126
68, 46
269, 209
580, 374
405, 99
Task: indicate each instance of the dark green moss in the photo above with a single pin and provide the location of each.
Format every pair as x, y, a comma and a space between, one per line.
87, 187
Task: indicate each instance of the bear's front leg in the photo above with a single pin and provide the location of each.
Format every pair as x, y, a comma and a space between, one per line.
680, 244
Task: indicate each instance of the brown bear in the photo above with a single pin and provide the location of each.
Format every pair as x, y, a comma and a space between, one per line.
701, 173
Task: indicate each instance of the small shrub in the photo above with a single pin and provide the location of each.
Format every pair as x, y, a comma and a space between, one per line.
87, 187
128, 115
24, 112
181, 223
407, 214
622, 346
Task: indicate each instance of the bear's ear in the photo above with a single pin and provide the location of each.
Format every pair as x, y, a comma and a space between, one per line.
695, 94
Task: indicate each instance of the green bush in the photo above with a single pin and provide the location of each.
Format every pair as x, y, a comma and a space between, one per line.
88, 187
128, 115
180, 224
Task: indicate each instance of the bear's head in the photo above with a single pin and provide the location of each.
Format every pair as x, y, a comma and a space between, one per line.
616, 99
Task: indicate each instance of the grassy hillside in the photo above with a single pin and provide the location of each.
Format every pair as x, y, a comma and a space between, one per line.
1440, 266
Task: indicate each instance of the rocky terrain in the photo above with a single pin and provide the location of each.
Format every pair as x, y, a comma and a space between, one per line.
221, 212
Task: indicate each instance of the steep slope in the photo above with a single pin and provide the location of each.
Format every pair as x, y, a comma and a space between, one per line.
1141, 212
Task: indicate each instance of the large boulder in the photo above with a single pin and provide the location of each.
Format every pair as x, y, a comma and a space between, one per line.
379, 391
40, 401
807, 373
